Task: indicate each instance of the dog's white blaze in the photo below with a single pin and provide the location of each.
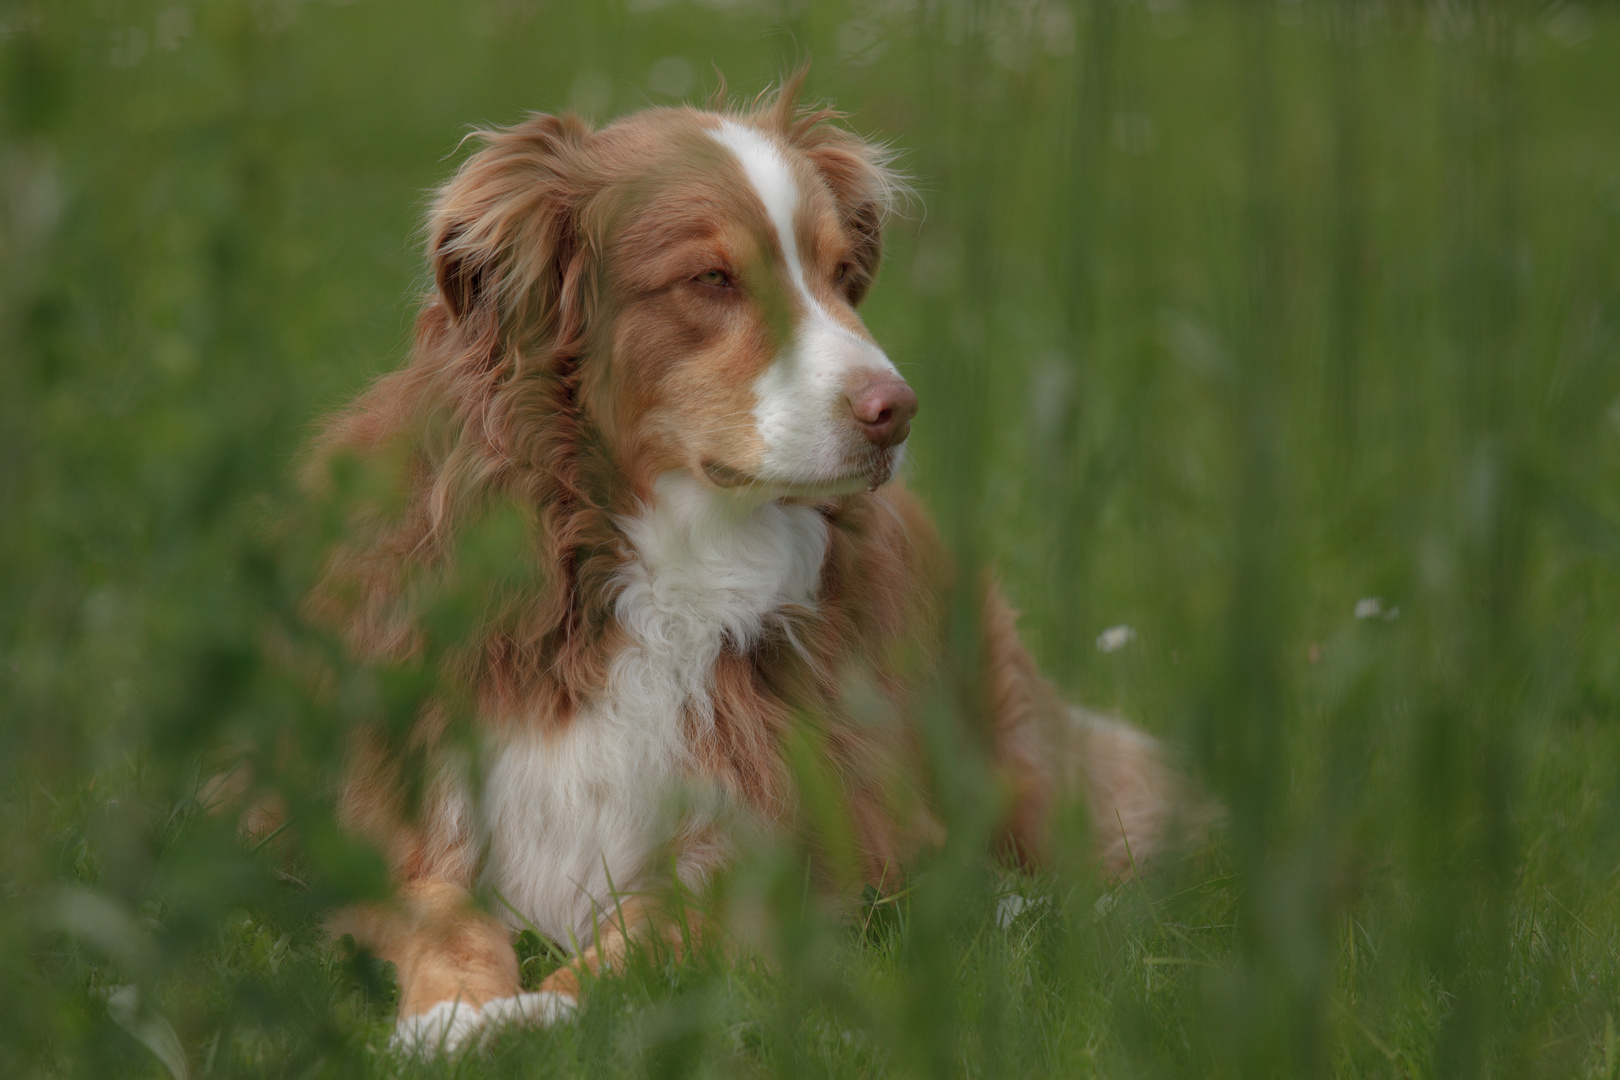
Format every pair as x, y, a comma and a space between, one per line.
567, 813
772, 177
800, 406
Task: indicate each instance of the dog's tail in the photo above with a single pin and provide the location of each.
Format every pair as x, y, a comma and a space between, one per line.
1141, 805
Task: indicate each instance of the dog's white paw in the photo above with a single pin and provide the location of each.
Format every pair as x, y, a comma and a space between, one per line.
451, 1025
540, 1009
442, 1029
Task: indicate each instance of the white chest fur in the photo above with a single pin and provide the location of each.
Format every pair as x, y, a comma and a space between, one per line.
571, 812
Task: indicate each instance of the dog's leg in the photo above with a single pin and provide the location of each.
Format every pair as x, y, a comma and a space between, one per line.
633, 919
458, 974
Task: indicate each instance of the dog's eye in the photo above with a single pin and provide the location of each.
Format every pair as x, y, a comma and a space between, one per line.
715, 278
841, 274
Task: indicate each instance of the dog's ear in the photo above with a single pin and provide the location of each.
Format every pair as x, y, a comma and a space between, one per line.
865, 188
503, 234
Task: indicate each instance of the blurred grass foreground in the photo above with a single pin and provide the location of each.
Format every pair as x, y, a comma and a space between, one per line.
1269, 351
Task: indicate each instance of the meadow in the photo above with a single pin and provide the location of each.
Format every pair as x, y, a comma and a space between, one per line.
1268, 351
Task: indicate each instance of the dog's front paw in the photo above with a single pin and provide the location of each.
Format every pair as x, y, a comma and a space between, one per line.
540, 1009
443, 1029
451, 1025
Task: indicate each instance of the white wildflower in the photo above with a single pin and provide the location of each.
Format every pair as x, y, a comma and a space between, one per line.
1008, 908
1116, 638
1372, 607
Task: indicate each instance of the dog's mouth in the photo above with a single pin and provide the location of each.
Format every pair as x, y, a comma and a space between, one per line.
868, 475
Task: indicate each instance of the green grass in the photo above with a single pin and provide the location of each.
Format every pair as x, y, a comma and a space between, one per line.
1223, 316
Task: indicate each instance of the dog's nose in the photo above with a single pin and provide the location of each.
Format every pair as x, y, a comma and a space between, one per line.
883, 405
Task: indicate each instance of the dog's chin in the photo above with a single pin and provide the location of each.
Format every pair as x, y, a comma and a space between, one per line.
868, 474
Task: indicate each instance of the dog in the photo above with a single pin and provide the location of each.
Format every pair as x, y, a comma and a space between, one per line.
646, 339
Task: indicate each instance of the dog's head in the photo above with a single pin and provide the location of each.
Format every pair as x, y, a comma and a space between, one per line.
695, 277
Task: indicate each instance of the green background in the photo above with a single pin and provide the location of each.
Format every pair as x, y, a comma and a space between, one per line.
1224, 317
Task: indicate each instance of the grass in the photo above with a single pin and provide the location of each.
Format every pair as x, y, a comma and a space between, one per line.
1225, 318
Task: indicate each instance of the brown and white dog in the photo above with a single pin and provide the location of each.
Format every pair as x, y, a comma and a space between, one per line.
646, 337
